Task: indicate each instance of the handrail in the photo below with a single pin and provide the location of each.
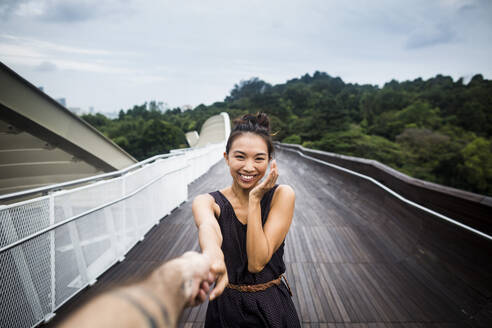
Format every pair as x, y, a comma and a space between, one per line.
46, 189
405, 200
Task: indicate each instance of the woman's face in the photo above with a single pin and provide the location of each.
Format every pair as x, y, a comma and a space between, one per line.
248, 160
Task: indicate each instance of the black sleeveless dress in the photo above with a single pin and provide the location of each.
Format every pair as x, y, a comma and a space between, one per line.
272, 307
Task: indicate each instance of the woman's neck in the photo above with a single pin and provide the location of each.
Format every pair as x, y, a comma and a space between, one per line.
240, 193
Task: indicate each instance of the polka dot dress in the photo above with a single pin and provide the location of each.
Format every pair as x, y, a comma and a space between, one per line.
272, 307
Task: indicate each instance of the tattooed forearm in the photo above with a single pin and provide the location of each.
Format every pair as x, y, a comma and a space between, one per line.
151, 322
154, 301
165, 313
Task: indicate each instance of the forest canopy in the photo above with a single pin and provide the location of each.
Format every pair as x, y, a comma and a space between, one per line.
439, 130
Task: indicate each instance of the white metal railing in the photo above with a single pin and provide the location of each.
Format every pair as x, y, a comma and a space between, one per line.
53, 246
393, 193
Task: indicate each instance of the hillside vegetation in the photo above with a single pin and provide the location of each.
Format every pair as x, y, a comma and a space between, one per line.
438, 129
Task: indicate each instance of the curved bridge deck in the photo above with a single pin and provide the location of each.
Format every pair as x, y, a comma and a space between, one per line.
355, 256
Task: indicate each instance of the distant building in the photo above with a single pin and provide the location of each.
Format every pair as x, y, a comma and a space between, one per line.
91, 110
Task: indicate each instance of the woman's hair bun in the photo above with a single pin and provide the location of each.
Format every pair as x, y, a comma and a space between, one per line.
263, 120
259, 120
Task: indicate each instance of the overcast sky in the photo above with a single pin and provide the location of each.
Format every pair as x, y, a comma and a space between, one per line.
113, 54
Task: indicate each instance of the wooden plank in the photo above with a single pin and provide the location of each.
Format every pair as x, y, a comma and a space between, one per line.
326, 279
396, 295
324, 289
308, 313
310, 249
293, 286
320, 304
364, 303
418, 293
376, 290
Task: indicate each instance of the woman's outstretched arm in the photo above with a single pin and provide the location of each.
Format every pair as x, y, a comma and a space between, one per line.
210, 239
263, 241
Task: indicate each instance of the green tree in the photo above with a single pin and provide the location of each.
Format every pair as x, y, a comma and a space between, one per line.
419, 114
99, 121
248, 88
293, 139
478, 164
160, 137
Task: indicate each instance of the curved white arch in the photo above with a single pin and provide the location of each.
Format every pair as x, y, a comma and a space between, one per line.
216, 129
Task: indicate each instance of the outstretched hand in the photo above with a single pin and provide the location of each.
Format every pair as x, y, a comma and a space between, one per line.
198, 277
259, 190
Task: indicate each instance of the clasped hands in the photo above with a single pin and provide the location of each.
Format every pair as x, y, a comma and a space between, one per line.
198, 273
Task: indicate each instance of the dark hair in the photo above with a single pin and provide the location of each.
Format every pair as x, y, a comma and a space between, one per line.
258, 124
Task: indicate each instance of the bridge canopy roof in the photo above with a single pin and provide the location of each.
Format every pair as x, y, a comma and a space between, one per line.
42, 142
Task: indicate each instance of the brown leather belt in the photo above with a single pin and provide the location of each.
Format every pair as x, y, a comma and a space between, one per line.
260, 287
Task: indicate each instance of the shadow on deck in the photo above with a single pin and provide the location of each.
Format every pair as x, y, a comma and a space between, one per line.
355, 255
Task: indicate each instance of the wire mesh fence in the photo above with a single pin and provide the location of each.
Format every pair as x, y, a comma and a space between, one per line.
53, 246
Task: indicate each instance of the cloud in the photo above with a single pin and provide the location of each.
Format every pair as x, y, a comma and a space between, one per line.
449, 21
70, 11
46, 66
7, 7
62, 11
431, 36
49, 46
22, 8
93, 67
47, 56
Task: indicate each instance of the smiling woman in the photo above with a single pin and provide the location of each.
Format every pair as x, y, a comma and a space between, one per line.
242, 229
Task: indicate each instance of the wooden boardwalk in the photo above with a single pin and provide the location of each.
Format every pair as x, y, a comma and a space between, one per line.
355, 256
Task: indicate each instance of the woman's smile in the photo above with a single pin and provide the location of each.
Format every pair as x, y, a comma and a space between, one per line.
247, 177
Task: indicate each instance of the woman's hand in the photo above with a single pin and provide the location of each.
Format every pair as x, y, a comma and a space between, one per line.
219, 269
259, 190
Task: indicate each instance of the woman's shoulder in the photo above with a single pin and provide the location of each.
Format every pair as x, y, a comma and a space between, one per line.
285, 189
284, 192
204, 198
207, 200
